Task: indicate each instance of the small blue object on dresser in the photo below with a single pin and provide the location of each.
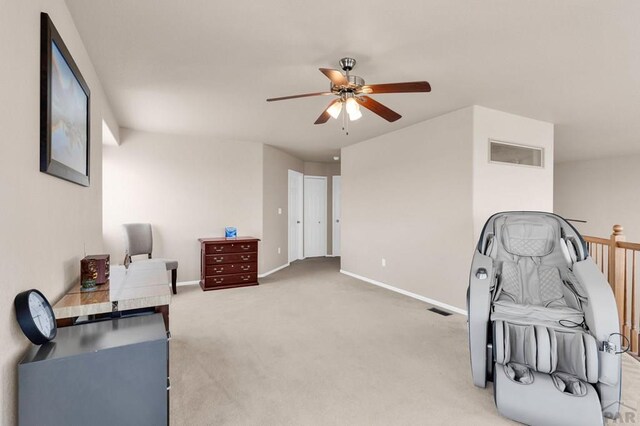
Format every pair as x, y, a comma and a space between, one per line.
230, 232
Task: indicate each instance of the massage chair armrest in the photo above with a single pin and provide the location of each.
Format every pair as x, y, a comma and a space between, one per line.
600, 310
478, 311
601, 316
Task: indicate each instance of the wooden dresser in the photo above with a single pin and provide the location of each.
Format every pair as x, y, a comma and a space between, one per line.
228, 263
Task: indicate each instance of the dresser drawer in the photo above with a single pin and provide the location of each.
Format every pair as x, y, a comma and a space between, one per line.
219, 259
238, 247
230, 268
230, 280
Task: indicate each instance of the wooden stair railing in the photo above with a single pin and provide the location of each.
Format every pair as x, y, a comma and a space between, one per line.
617, 259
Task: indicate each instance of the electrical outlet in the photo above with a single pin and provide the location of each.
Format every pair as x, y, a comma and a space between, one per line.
279, 210
384, 262
278, 250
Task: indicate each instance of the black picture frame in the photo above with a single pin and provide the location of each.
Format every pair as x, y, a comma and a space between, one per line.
64, 125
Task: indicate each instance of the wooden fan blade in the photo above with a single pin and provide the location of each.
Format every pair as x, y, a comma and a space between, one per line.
408, 87
378, 108
325, 116
336, 77
299, 96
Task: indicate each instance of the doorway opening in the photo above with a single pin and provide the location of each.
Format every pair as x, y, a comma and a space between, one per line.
315, 216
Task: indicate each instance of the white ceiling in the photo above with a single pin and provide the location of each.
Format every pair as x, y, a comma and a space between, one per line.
206, 67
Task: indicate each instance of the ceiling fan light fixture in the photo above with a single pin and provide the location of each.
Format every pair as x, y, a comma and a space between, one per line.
352, 106
334, 109
355, 115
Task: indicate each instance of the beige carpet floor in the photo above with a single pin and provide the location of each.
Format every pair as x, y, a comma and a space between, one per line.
310, 346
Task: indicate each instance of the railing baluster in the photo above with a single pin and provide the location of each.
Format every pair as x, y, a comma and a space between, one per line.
634, 329
626, 328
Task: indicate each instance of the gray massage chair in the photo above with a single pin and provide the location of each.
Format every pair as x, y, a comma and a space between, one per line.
543, 323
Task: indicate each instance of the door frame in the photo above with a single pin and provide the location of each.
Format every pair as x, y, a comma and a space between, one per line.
335, 242
299, 212
324, 214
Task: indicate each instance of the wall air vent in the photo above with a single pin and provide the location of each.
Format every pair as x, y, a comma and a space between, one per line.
510, 153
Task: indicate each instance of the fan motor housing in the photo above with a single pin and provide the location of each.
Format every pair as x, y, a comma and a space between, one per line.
355, 80
355, 83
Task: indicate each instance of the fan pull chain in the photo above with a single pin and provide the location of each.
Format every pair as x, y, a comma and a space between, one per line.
344, 113
344, 118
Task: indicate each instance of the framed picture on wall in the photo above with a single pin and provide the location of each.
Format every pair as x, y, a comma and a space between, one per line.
64, 110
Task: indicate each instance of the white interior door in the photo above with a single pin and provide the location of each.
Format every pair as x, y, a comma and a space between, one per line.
315, 216
337, 192
295, 210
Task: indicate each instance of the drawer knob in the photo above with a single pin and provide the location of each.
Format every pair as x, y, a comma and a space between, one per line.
218, 280
245, 257
246, 278
219, 249
219, 259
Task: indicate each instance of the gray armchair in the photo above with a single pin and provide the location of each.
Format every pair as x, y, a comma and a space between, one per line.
139, 240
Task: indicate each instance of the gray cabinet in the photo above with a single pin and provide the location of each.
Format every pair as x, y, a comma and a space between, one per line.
104, 373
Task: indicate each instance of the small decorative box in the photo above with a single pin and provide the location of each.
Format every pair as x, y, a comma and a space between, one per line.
98, 265
88, 274
230, 232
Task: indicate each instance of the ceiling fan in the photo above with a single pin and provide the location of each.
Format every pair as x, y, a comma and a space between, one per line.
352, 92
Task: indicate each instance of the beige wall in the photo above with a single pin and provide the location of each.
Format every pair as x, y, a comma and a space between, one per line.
110, 128
504, 187
312, 168
46, 223
276, 166
603, 192
419, 198
407, 197
186, 187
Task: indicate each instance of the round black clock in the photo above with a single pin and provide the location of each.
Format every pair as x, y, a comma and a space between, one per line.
35, 316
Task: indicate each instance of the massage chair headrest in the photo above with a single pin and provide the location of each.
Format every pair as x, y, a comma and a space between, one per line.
530, 236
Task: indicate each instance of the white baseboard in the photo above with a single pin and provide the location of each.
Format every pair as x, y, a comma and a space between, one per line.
406, 293
183, 283
273, 270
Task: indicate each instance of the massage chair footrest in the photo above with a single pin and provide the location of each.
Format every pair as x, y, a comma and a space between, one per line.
546, 349
540, 402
